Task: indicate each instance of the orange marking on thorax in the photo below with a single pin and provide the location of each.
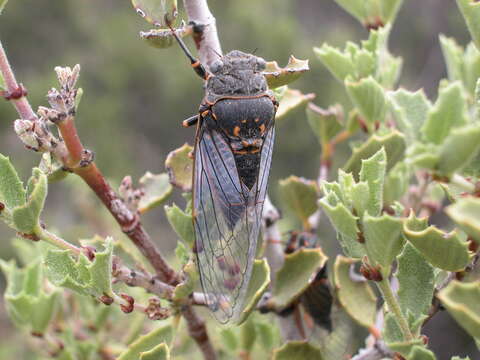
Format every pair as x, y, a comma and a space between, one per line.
236, 131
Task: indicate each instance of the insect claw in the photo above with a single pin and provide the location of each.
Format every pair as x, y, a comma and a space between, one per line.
191, 155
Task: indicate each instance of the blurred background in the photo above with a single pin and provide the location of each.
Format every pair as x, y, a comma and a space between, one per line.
135, 96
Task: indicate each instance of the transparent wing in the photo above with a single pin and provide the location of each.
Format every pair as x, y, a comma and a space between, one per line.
227, 218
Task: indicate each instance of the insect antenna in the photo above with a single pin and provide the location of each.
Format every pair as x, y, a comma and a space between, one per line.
196, 64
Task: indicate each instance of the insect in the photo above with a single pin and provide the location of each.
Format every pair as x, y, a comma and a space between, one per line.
232, 157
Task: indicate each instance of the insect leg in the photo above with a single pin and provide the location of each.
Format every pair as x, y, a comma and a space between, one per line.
196, 64
192, 120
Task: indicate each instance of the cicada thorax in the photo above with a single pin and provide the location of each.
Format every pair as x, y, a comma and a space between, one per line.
245, 121
242, 108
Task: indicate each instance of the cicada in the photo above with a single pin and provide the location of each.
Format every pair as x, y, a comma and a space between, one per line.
232, 156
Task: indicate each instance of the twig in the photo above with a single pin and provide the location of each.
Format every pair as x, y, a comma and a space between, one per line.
377, 352
272, 237
55, 240
198, 331
209, 48
21, 104
394, 307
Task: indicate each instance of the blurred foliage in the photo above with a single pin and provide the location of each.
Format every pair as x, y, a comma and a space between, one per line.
135, 98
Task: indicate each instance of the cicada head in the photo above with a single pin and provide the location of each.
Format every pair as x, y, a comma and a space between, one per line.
237, 74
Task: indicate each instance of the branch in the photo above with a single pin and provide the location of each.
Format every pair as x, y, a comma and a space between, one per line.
198, 330
377, 352
20, 103
208, 46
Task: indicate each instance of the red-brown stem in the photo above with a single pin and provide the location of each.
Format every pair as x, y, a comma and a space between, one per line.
72, 141
198, 330
128, 221
21, 105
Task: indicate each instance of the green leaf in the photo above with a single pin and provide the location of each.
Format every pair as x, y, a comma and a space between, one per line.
373, 172
462, 301
2, 5
229, 339
291, 100
156, 188
155, 11
465, 214
26, 217
356, 297
300, 196
159, 352
346, 337
259, 282
325, 123
53, 168
339, 63
277, 76
393, 142
416, 282
360, 194
369, 98
383, 240
186, 287
82, 276
345, 223
390, 9
371, 59
265, 334
182, 224
449, 111
181, 253
470, 10
419, 352
392, 333
295, 275
147, 342
179, 166
396, 183
458, 149
443, 250
248, 335
356, 8
423, 155
12, 193
163, 38
27, 304
462, 65
296, 350
411, 110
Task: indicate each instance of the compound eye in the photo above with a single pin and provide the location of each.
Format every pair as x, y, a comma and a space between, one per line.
216, 66
261, 64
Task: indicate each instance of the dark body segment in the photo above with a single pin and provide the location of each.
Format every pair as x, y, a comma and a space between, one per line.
244, 122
